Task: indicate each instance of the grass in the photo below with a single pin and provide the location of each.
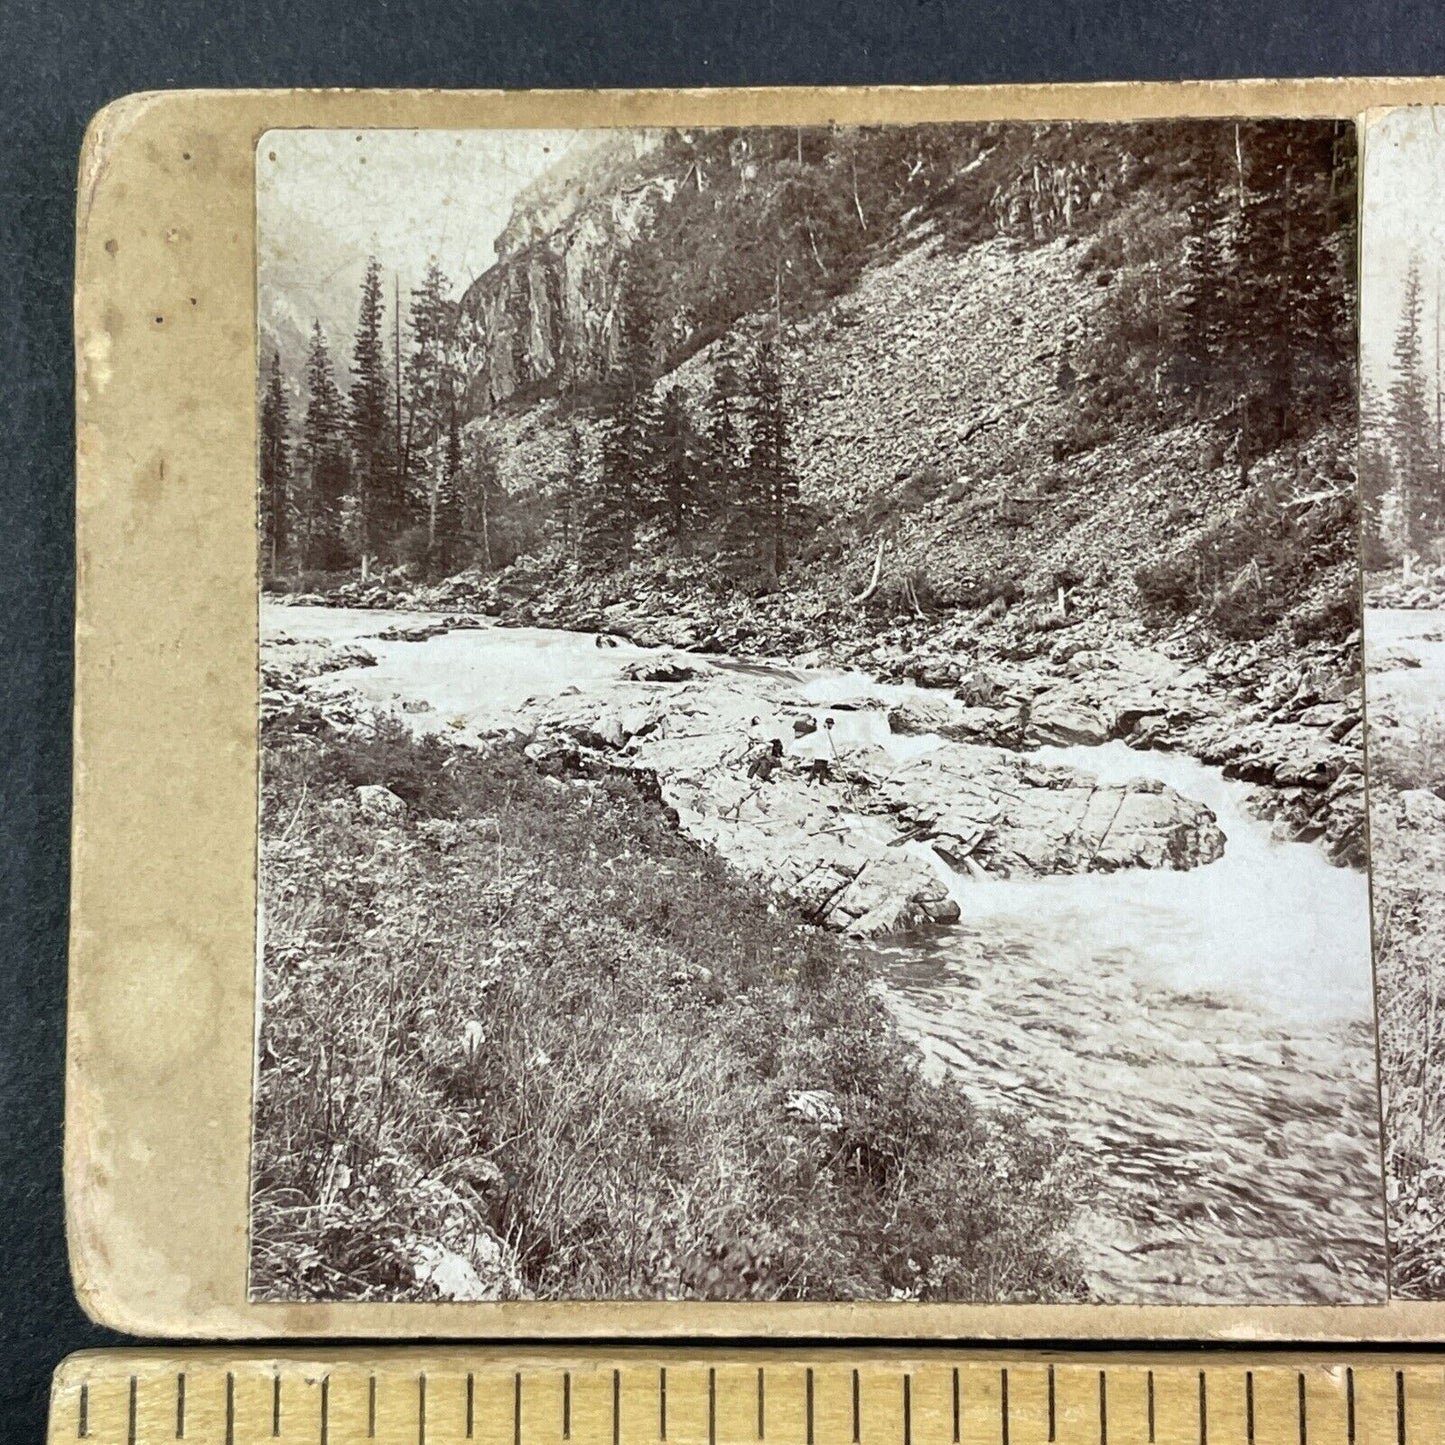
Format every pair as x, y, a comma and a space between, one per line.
531, 1024
1409, 910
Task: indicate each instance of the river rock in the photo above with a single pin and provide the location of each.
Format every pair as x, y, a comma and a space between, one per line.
344, 655
1018, 817
1391, 659
378, 804
666, 667
1067, 719
413, 632
1422, 808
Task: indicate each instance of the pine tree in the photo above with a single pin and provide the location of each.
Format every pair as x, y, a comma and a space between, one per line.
378, 513
1410, 427
1205, 304
433, 384
770, 492
679, 489
483, 505
1289, 314
275, 475
323, 462
569, 488
447, 549
623, 496
721, 445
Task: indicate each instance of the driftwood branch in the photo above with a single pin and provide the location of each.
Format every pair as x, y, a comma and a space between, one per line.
877, 576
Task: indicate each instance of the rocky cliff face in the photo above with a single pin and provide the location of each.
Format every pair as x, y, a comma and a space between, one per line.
547, 311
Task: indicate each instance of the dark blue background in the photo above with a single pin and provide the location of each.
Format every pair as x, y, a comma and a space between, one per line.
60, 63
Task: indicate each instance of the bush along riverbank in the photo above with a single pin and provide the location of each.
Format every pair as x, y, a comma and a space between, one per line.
507, 1052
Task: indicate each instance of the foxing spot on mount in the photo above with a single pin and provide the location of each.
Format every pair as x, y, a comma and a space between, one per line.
811, 715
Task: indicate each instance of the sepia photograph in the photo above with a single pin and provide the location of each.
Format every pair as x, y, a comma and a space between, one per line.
812, 715
1402, 478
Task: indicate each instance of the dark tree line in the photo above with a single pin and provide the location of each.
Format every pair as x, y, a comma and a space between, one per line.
1237, 259
387, 472
1402, 443
380, 474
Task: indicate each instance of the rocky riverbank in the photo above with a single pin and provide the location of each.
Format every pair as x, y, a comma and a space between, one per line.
1016, 677
1242, 975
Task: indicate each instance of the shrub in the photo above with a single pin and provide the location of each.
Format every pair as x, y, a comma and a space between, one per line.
1168, 589
1332, 619
1410, 757
989, 587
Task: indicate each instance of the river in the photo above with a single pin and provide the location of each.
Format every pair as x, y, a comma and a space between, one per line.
1206, 1037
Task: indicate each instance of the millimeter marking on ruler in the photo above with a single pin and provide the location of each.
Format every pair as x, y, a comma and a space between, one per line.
721, 1396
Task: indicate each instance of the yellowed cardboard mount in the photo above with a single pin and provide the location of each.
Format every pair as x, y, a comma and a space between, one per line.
163, 935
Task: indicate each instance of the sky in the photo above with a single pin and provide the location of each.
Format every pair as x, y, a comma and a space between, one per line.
328, 199
1403, 216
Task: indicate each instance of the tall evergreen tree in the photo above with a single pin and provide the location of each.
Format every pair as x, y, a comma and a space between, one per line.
1414, 445
324, 465
484, 502
721, 444
622, 497
1289, 309
770, 492
1205, 305
679, 489
275, 478
433, 384
569, 488
378, 511
448, 543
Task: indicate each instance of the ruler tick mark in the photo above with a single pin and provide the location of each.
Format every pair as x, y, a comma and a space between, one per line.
616, 1409
1103, 1409
1350, 1405
1203, 1410
1151, 1406
1399, 1407
180, 1407
957, 1412
1249, 1406
760, 1402
517, 1407
907, 1410
472, 1406
1052, 1418
711, 1407
276, 1405
566, 1405
1304, 1433
1003, 1401
230, 1408
371, 1408
857, 1412
326, 1408
82, 1425
662, 1403
130, 1415
808, 1392
421, 1408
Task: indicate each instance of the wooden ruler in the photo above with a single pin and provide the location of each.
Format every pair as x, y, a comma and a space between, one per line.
731, 1395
